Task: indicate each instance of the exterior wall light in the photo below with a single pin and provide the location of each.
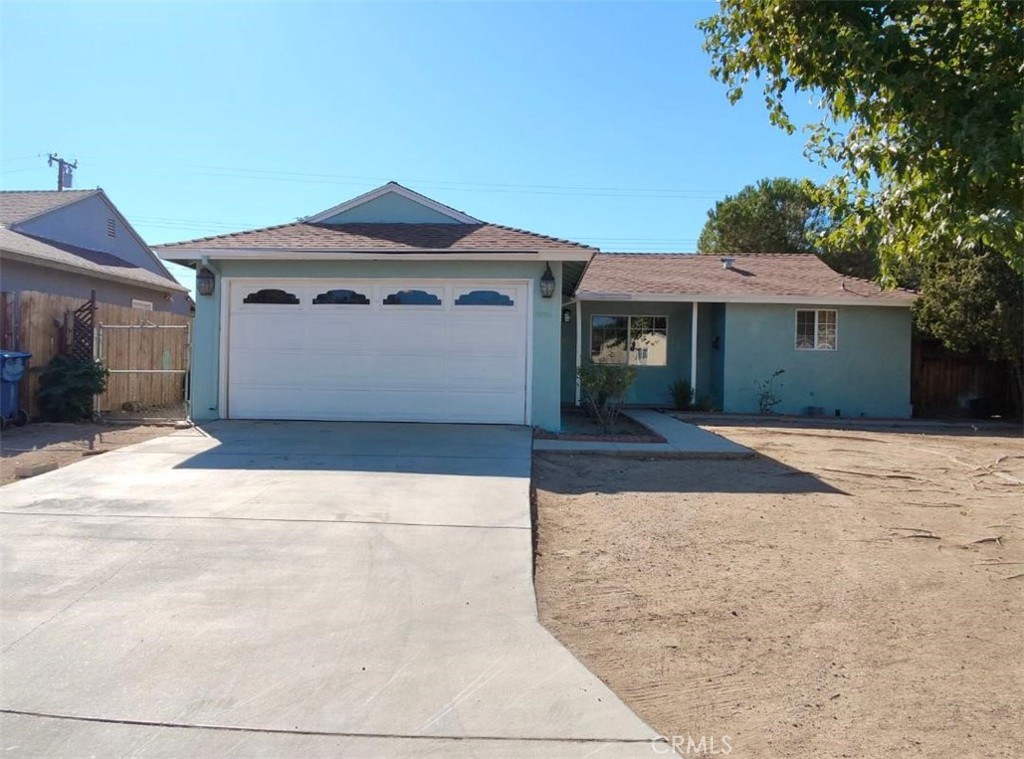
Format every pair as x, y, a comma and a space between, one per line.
566, 315
205, 281
547, 283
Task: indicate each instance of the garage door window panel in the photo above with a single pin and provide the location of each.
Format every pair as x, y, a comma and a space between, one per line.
271, 297
484, 298
413, 298
341, 297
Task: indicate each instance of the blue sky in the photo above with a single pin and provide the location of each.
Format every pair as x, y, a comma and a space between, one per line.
596, 122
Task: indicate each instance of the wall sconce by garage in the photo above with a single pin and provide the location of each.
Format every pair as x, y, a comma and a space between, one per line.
547, 283
205, 281
566, 315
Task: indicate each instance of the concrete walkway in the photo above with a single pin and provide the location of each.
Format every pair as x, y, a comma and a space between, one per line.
290, 589
681, 439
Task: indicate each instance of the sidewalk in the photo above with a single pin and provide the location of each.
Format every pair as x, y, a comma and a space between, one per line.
681, 439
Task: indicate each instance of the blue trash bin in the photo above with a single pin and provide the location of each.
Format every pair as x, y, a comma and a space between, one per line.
12, 369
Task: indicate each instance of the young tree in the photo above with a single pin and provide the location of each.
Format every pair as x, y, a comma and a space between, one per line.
781, 216
922, 113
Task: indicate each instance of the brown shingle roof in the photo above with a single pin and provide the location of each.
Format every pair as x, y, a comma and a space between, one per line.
17, 205
90, 262
396, 238
766, 275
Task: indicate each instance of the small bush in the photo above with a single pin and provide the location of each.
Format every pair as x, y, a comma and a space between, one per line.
604, 388
682, 394
705, 403
67, 387
767, 399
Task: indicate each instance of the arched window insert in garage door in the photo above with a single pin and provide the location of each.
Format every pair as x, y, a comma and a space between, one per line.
341, 297
412, 298
484, 298
272, 297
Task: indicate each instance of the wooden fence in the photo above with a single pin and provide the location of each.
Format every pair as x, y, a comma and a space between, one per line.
944, 383
39, 323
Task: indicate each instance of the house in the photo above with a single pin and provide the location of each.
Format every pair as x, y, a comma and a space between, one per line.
726, 324
74, 242
395, 307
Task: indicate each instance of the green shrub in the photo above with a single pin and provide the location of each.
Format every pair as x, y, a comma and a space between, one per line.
682, 394
67, 387
604, 388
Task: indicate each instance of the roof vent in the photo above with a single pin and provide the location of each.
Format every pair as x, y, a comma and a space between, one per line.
728, 262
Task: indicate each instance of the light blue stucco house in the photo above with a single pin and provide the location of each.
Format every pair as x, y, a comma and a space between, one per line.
395, 307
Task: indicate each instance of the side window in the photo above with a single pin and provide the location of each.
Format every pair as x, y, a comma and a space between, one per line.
343, 297
817, 329
276, 297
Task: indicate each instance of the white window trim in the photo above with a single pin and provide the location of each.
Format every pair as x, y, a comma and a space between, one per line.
629, 331
142, 305
796, 329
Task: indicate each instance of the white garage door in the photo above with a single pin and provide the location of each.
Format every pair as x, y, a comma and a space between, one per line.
382, 350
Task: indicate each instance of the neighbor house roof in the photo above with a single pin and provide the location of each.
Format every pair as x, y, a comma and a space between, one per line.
369, 237
752, 278
20, 205
81, 260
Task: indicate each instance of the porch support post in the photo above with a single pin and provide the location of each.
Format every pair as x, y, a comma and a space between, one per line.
693, 350
579, 347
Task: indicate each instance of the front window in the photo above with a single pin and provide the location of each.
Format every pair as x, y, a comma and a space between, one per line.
637, 340
817, 330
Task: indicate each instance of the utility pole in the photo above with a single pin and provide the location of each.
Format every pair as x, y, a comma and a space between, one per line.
64, 171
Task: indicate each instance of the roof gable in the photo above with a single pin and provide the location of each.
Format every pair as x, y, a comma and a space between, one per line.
391, 204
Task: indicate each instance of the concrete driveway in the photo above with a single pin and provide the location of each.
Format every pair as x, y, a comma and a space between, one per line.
276, 589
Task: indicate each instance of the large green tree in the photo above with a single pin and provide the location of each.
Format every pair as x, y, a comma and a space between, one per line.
781, 215
974, 302
922, 114
769, 217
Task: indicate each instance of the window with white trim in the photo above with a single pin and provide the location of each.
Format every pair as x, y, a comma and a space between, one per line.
635, 340
817, 329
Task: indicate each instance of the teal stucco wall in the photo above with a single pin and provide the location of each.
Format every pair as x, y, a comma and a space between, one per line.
868, 375
546, 358
652, 382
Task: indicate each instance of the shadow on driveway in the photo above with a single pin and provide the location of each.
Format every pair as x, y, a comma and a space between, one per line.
575, 474
475, 450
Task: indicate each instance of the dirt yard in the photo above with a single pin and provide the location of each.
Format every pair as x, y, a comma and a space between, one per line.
845, 594
64, 444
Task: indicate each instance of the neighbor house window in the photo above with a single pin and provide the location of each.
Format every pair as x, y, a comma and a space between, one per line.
817, 330
637, 340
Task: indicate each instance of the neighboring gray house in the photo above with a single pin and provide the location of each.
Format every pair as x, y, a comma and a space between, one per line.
76, 241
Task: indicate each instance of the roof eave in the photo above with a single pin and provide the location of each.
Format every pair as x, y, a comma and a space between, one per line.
172, 285
905, 300
179, 254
